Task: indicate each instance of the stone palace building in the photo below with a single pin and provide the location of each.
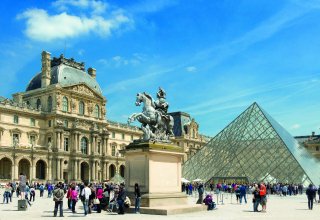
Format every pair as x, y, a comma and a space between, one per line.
57, 129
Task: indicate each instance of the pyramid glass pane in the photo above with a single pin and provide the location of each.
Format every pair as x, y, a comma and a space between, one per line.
254, 148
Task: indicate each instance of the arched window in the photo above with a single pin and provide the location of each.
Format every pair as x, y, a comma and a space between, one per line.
38, 103
97, 111
81, 108
49, 104
84, 145
65, 106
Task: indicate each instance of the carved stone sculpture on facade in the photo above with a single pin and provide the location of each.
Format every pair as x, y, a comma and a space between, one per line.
156, 124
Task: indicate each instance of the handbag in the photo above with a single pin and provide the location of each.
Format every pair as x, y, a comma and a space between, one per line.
96, 201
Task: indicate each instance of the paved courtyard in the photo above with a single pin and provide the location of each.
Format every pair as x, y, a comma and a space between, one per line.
294, 207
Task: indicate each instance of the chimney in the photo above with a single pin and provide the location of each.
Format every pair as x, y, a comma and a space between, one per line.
46, 69
92, 72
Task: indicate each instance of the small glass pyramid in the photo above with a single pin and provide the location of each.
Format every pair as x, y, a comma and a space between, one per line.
253, 148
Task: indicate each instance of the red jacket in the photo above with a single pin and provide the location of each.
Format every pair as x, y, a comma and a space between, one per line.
263, 190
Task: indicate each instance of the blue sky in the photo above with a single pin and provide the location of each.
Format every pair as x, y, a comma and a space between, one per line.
213, 58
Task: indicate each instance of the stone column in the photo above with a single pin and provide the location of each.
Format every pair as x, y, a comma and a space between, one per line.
62, 141
103, 167
79, 170
49, 177
61, 168
105, 146
78, 142
75, 170
74, 143
58, 169
93, 147
97, 173
93, 171
33, 171
89, 147
58, 140
16, 169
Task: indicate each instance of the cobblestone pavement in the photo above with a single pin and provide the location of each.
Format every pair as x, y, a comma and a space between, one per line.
291, 208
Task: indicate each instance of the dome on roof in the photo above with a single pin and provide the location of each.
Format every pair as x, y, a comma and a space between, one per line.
65, 75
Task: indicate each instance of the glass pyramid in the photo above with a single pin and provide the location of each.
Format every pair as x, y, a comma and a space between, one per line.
253, 148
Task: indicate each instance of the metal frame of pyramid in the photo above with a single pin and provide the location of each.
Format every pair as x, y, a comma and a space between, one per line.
254, 147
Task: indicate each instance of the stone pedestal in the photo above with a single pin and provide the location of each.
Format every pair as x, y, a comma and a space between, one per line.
156, 167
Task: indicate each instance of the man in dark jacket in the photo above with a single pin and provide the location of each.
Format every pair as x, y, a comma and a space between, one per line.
310, 194
121, 198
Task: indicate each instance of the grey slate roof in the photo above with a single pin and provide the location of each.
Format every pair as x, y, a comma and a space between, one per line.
65, 76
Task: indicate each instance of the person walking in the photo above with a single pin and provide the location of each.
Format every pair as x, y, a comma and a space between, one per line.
263, 197
243, 194
69, 196
99, 196
58, 194
137, 195
256, 197
32, 194
200, 192
50, 189
6, 193
85, 193
41, 188
74, 198
310, 194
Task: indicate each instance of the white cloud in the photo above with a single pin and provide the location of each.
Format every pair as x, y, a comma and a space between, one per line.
191, 69
295, 126
41, 26
97, 7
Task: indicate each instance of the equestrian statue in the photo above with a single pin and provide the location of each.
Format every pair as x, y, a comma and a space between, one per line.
156, 123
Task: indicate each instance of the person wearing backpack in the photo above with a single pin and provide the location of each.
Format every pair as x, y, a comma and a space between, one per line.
58, 195
41, 188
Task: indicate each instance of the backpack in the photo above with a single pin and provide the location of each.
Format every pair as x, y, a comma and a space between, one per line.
58, 195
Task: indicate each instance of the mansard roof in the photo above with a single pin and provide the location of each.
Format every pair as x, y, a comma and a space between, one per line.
66, 72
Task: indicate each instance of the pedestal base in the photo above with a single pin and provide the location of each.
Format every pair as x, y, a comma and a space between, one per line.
22, 205
163, 199
170, 210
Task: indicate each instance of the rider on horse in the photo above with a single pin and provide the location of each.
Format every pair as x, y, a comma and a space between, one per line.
161, 104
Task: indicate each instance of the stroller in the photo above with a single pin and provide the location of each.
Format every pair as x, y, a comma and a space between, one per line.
209, 202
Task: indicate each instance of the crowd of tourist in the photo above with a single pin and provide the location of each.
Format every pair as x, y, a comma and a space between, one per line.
110, 197
93, 197
259, 192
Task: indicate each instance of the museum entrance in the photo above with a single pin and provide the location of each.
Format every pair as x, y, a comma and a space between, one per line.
5, 168
24, 167
41, 170
84, 171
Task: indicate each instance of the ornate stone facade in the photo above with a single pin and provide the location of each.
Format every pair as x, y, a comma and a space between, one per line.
57, 129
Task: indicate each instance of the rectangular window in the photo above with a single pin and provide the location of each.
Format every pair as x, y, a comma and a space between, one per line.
66, 123
15, 119
49, 123
32, 139
123, 136
32, 122
66, 144
113, 135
